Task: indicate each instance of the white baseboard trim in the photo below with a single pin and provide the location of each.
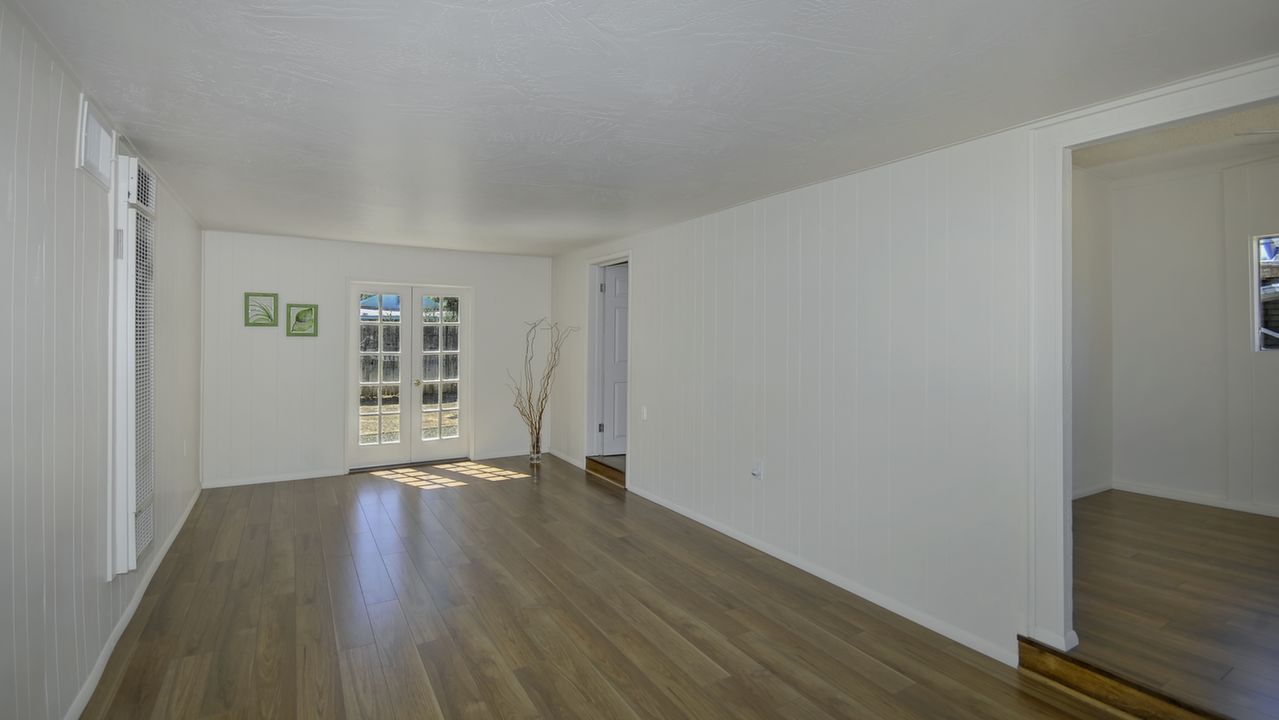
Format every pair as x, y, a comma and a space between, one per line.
305, 475
1086, 491
1198, 498
1054, 639
91, 682
579, 464
1006, 655
310, 474
494, 455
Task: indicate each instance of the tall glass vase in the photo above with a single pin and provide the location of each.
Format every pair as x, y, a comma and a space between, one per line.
535, 449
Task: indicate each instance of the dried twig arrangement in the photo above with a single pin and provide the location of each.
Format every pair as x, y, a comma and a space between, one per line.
530, 400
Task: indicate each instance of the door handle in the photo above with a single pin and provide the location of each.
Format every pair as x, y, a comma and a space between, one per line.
417, 382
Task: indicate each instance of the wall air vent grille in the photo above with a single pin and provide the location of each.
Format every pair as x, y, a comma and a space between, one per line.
144, 189
144, 372
139, 185
144, 530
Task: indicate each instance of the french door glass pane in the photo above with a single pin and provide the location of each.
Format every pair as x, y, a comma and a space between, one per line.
368, 368
449, 424
448, 396
390, 399
450, 338
368, 430
390, 308
391, 338
449, 309
379, 347
450, 367
368, 400
368, 337
430, 367
430, 397
390, 429
430, 309
391, 368
430, 338
368, 310
430, 426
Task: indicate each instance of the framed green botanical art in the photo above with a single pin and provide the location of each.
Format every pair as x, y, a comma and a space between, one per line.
302, 320
261, 309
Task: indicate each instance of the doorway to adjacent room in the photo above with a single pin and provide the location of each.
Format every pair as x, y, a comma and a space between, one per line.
610, 356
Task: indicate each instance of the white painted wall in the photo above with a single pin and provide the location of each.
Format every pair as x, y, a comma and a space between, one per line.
275, 406
177, 361
1194, 404
866, 338
1169, 333
59, 618
1092, 361
1252, 396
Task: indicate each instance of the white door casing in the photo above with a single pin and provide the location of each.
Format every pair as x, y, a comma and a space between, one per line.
1049, 551
614, 356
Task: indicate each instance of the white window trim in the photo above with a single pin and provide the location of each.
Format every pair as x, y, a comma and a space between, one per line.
1254, 255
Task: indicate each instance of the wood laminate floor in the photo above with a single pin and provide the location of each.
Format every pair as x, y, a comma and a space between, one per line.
471, 591
1181, 597
617, 462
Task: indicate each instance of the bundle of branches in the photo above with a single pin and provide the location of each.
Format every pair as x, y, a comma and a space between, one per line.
532, 392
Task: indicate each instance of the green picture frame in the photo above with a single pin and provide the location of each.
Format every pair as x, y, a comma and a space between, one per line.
261, 309
302, 320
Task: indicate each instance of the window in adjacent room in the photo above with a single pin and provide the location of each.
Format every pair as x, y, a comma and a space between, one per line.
1266, 281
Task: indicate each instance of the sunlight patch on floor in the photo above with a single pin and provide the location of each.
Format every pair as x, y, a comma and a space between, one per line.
426, 480
417, 478
482, 471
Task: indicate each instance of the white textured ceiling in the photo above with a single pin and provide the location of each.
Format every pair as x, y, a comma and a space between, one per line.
532, 126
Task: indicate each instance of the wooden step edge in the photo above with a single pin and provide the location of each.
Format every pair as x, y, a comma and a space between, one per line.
1129, 697
604, 483
605, 472
1079, 699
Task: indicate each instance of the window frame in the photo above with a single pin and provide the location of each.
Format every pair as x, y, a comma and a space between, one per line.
1259, 331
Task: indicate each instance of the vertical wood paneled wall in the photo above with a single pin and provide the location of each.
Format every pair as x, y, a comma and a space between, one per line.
866, 339
57, 611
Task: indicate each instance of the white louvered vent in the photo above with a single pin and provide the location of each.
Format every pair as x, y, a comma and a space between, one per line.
139, 189
135, 302
144, 374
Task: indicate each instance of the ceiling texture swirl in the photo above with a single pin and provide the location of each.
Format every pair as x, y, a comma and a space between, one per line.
536, 126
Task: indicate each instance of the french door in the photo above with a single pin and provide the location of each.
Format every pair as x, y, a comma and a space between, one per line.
408, 392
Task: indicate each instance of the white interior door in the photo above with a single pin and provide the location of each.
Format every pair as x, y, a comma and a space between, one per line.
614, 355
409, 350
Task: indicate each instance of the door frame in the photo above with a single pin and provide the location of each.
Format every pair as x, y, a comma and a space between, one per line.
595, 350
466, 394
1049, 556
